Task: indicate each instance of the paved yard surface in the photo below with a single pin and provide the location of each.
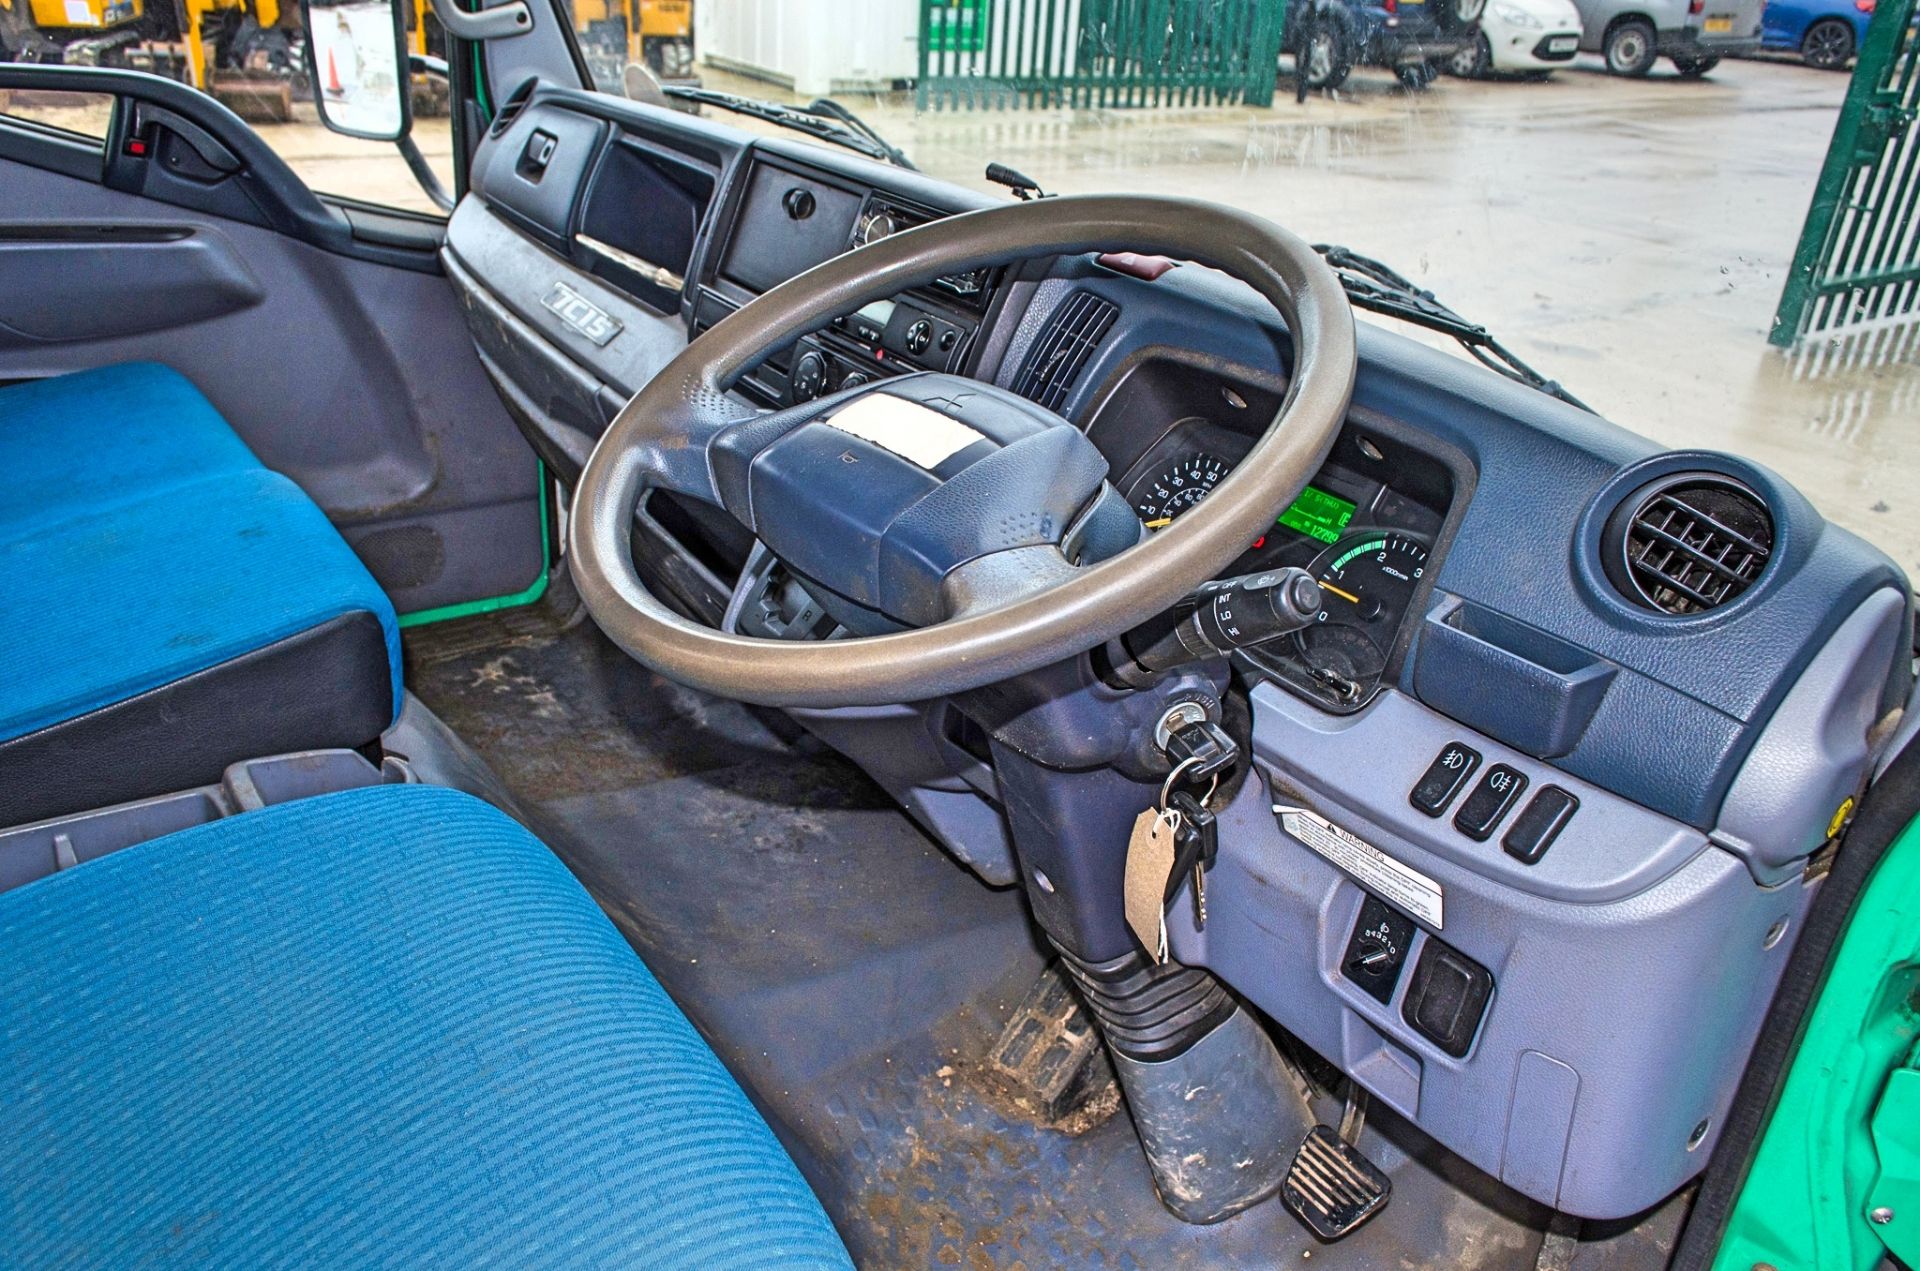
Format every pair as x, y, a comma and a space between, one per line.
1627, 237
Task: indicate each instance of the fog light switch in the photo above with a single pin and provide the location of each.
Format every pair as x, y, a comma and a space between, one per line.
1444, 778
1490, 802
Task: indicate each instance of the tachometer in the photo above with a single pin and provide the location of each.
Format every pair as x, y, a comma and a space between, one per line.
1164, 494
1368, 578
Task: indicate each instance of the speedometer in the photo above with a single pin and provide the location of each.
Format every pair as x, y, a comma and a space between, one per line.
1165, 493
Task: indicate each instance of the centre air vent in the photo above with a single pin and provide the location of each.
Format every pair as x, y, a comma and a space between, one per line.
1689, 543
1060, 354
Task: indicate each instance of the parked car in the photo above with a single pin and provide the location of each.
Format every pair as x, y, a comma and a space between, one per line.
1825, 33
1411, 38
1529, 36
1694, 34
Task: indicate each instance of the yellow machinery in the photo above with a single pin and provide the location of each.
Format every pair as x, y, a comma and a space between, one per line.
226, 19
245, 51
69, 30
656, 33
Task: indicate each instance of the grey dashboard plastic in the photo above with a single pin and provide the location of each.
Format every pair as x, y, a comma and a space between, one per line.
1684, 699
1634, 948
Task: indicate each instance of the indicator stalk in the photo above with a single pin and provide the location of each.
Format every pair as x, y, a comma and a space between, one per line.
1231, 613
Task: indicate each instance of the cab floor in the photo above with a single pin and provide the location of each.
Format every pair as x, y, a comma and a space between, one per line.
854, 977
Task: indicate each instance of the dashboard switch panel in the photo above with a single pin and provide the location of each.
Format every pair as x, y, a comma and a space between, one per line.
1534, 830
1444, 778
1447, 997
1378, 948
1490, 802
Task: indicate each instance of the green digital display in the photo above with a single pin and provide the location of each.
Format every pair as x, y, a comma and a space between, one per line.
1318, 514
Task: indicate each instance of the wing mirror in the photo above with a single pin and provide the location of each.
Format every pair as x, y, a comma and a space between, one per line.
357, 58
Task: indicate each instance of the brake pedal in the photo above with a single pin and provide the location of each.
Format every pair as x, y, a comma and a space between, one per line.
1332, 1187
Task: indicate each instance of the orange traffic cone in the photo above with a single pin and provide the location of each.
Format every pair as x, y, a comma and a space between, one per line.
333, 76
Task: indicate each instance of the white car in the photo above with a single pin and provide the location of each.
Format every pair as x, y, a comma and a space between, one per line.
1521, 35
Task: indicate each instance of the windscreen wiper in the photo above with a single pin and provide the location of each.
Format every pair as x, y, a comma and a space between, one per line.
824, 120
1377, 288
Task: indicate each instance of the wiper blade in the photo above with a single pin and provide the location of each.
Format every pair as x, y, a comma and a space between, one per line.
824, 120
1376, 287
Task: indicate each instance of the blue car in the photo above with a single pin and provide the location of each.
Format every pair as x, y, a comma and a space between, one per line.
1825, 33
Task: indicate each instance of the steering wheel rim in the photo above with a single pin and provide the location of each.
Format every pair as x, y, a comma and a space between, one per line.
658, 440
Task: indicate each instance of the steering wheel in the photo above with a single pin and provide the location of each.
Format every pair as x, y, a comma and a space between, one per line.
974, 529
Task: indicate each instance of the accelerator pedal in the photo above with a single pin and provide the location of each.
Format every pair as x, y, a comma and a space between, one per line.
1332, 1187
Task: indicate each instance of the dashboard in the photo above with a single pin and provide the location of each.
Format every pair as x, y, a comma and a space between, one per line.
788, 217
1570, 728
1370, 527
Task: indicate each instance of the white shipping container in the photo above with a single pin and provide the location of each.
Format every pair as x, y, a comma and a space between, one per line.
816, 47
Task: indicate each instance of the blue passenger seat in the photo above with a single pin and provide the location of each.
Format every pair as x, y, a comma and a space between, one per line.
171, 605
378, 1028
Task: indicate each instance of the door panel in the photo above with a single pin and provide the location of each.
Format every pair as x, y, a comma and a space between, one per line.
355, 378
111, 280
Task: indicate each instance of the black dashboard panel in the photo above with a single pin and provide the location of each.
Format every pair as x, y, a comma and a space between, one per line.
788, 215
640, 219
1371, 527
790, 220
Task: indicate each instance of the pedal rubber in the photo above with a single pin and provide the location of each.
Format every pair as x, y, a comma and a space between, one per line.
1332, 1187
1049, 1051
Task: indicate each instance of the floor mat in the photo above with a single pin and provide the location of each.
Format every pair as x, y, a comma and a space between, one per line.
854, 977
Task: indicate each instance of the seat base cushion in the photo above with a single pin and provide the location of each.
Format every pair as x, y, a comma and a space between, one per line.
328, 686
73, 444
382, 1027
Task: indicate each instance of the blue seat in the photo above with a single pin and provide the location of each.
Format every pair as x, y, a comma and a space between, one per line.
171, 605
378, 1028
72, 444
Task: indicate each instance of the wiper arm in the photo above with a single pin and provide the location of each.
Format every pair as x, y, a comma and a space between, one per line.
831, 109
1374, 286
824, 120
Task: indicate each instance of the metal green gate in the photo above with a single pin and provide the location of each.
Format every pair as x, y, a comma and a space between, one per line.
999, 54
1859, 256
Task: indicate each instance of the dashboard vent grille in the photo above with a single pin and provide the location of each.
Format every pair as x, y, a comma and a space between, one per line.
1061, 352
511, 108
1694, 543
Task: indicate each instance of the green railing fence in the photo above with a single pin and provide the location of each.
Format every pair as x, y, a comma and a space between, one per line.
1000, 54
1859, 256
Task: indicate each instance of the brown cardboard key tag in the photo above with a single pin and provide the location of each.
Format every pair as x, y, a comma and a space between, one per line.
1149, 865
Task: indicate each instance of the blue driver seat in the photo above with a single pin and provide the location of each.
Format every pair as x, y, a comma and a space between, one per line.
382, 1027
171, 606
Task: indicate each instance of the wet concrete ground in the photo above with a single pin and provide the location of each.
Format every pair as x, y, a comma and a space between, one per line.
1629, 238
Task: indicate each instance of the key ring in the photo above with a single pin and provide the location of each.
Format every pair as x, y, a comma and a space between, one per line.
1166, 790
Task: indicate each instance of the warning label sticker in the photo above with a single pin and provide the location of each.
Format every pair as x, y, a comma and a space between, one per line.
1372, 868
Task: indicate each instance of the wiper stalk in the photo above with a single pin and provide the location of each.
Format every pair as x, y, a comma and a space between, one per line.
1374, 286
823, 120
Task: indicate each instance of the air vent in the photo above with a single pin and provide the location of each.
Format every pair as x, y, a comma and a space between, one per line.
510, 109
1061, 352
1689, 543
